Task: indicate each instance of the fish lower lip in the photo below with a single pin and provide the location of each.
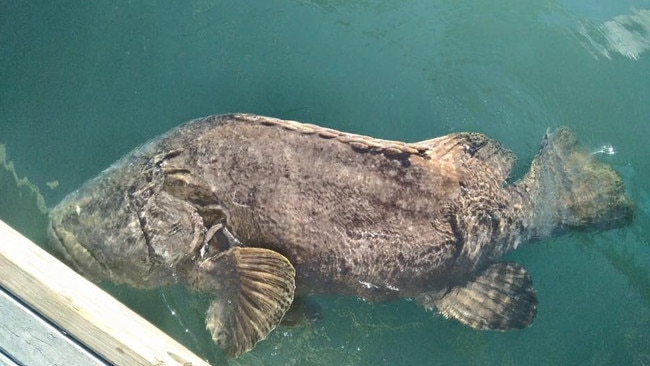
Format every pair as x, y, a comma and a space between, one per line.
56, 244
73, 253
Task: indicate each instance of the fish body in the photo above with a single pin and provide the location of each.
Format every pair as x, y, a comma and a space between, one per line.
261, 211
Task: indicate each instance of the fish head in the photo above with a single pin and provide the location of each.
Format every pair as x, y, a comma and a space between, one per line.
127, 226
97, 231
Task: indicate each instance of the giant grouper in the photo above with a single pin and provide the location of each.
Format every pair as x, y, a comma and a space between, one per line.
262, 212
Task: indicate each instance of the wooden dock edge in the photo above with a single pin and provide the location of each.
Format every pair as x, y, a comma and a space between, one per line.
83, 310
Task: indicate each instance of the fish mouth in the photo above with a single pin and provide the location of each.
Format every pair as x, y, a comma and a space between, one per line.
56, 244
73, 253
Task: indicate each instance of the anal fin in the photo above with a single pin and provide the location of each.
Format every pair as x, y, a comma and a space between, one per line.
255, 289
500, 298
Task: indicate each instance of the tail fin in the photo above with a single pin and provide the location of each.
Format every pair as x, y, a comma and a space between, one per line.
569, 188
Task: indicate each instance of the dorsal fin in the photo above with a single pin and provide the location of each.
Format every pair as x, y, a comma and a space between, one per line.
473, 148
361, 142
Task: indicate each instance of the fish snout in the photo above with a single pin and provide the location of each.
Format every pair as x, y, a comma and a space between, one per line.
62, 239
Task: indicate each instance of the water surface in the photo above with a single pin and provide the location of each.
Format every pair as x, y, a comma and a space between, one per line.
84, 82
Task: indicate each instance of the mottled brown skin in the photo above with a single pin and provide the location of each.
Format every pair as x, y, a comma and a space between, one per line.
347, 218
353, 220
354, 215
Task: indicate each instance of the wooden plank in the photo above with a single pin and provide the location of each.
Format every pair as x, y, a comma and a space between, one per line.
31, 340
5, 360
82, 309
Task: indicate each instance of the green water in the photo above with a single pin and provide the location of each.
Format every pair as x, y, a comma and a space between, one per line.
84, 82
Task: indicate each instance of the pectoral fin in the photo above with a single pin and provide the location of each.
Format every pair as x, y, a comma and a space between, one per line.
500, 298
257, 289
